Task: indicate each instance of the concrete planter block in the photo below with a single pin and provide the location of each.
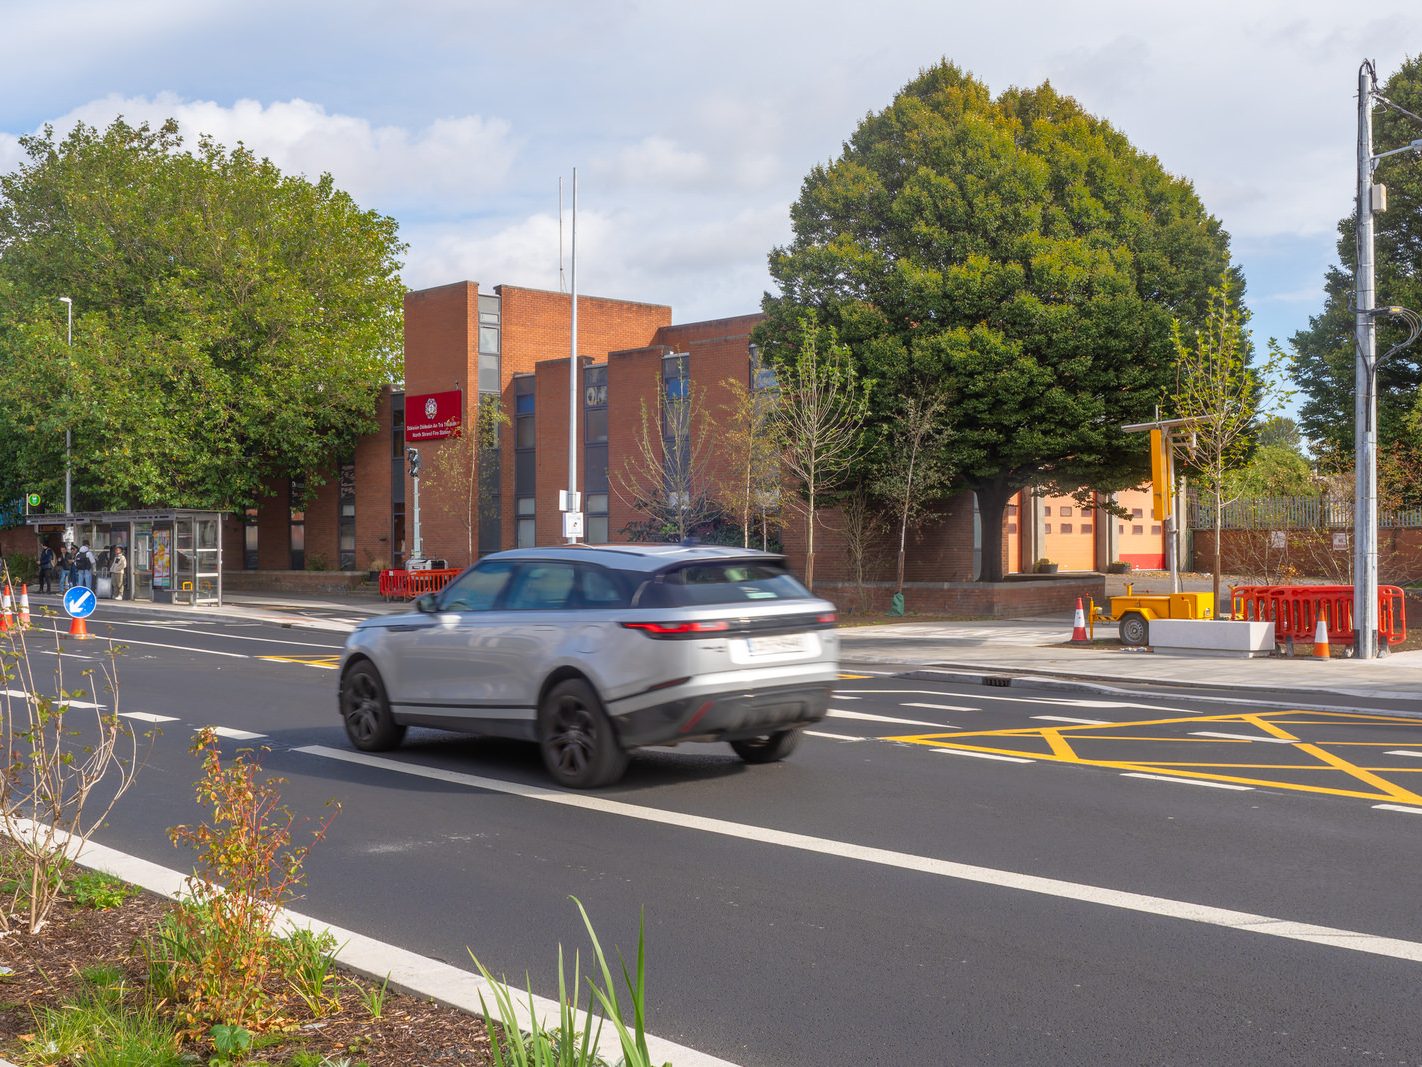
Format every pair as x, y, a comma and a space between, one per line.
1211, 637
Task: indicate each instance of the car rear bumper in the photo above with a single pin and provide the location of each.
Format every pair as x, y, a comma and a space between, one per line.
729, 716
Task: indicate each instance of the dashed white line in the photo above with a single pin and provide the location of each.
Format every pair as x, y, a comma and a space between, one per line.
1182, 910
1398, 807
984, 755
235, 735
53, 699
833, 737
939, 707
845, 696
1243, 737
146, 716
840, 713
1186, 781
1077, 722
1403, 752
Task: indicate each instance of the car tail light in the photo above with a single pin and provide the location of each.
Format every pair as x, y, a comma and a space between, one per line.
828, 618
680, 629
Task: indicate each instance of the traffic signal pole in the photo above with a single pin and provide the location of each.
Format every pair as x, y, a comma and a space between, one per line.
412, 455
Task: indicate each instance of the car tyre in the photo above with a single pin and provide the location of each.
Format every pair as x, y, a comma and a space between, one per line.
1135, 631
365, 710
576, 738
770, 749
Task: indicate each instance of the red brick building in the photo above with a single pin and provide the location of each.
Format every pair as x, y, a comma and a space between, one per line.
467, 344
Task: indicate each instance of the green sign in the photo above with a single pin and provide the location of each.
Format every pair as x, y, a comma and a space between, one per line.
34, 500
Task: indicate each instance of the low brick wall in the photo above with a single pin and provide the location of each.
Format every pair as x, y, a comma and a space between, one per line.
294, 581
1017, 598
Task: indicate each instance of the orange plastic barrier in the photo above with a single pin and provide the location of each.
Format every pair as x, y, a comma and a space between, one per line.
407, 585
1295, 611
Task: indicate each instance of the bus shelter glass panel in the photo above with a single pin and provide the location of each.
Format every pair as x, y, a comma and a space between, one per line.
208, 554
141, 561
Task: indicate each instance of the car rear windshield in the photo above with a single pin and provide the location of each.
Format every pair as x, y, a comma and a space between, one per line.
722, 582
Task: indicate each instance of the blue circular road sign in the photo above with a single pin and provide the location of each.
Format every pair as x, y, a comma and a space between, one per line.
80, 602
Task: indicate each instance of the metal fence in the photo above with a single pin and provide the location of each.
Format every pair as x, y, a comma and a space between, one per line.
1290, 513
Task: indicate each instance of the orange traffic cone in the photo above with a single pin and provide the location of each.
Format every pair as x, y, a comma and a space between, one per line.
1320, 640
25, 607
1078, 626
78, 629
6, 622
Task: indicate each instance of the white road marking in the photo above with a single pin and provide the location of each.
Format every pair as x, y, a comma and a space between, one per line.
155, 644
1243, 737
844, 696
1163, 907
1078, 722
1398, 807
939, 707
833, 737
146, 716
53, 699
235, 735
1402, 752
229, 637
1187, 781
839, 713
984, 755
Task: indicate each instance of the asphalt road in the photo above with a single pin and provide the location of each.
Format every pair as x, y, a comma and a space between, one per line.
942, 874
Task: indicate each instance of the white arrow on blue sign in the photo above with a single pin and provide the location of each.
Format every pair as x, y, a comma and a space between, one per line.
80, 602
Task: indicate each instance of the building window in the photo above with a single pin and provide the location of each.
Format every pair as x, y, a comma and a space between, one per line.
526, 505
525, 460
1155, 531
490, 343
596, 504
1012, 527
488, 494
1137, 513
251, 559
1066, 527
1046, 509
1046, 527
1012, 510
345, 522
1137, 530
1086, 527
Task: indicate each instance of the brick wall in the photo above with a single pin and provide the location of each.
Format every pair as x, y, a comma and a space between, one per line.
372, 487
1019, 598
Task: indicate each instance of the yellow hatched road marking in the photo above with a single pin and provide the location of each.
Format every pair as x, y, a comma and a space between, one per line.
1058, 744
329, 663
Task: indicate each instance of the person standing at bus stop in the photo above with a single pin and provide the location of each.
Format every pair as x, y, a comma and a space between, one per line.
46, 570
84, 564
118, 570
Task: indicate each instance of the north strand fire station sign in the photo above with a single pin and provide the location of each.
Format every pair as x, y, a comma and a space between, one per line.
433, 416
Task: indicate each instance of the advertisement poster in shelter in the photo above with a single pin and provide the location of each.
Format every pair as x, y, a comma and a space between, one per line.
162, 558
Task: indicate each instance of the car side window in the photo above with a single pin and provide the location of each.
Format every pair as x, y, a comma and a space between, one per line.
600, 590
541, 587
477, 589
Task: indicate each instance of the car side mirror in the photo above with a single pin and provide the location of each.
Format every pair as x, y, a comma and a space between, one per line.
426, 605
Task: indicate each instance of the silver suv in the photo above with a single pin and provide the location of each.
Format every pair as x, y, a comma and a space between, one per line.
594, 651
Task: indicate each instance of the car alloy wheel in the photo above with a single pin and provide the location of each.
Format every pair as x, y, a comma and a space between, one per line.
576, 738
365, 709
769, 749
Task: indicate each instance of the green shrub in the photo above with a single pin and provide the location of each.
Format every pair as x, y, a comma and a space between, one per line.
95, 889
23, 569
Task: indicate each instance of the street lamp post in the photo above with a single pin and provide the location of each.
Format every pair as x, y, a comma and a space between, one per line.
68, 442
1371, 199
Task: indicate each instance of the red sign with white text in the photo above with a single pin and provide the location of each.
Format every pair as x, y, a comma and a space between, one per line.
433, 416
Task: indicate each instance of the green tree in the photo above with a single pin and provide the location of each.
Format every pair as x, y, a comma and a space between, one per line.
1324, 353
1020, 256
1273, 471
231, 323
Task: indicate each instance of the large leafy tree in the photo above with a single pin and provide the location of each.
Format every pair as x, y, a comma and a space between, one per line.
1324, 353
231, 323
1018, 254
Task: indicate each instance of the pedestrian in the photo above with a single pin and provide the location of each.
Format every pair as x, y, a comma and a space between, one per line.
118, 568
84, 564
68, 571
46, 569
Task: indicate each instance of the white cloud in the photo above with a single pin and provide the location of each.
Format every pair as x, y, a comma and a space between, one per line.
451, 163
654, 161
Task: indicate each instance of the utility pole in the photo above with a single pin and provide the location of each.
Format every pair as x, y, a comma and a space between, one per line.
571, 504
412, 457
68, 440
1365, 456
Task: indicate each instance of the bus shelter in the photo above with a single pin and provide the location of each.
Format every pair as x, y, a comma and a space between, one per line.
174, 555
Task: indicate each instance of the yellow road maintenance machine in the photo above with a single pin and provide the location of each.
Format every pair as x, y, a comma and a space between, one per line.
1133, 612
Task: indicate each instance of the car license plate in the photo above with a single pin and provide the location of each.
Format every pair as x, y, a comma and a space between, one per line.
777, 644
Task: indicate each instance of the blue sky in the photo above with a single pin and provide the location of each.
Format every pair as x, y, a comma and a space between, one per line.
692, 124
